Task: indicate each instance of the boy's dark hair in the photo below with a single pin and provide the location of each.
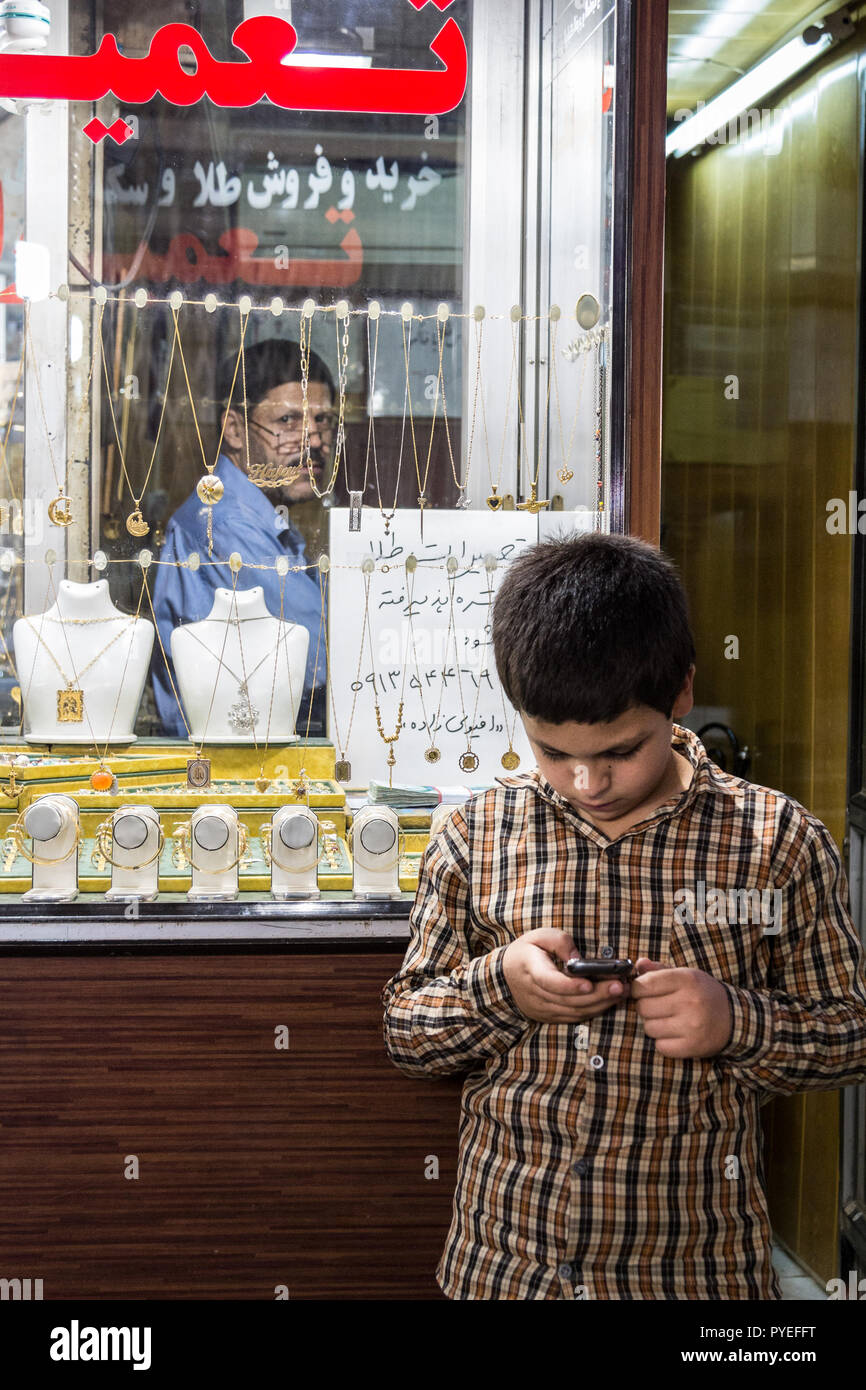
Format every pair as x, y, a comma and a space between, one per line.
586, 627
270, 363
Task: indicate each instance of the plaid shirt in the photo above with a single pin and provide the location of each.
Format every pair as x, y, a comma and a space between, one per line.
590, 1165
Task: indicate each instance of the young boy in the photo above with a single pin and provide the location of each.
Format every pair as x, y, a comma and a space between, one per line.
610, 1140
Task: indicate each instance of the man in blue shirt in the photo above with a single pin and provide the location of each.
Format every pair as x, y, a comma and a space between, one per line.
252, 518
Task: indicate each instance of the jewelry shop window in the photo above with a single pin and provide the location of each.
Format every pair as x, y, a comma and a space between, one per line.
306, 330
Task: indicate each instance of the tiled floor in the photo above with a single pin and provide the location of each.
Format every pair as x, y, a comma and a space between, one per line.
795, 1282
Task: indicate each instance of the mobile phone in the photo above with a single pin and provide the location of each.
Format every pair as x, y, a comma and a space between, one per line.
600, 969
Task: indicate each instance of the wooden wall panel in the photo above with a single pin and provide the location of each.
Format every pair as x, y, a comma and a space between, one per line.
762, 282
257, 1167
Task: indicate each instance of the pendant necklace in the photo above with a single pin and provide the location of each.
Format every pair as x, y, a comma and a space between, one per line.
463, 502
391, 740
433, 754
494, 501
135, 522
411, 567
302, 786
341, 312
566, 472
210, 488
356, 499
600, 383
443, 315
388, 517
535, 505
60, 509
343, 768
242, 716
469, 761
70, 701
422, 485
510, 760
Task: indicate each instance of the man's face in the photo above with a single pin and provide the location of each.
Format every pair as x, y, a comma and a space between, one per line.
608, 771
276, 438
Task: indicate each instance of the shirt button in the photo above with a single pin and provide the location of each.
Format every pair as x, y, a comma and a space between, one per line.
596, 1061
607, 953
565, 1271
581, 1167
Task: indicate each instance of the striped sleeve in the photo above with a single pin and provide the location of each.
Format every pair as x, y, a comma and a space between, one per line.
445, 1011
808, 1031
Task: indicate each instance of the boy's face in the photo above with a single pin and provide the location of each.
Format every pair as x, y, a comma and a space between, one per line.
608, 771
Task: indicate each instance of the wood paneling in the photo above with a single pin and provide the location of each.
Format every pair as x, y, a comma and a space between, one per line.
258, 1167
650, 36
762, 284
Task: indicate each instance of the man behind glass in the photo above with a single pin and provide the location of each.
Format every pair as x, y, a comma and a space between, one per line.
251, 519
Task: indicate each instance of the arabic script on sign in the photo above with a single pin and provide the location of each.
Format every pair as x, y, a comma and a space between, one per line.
265, 40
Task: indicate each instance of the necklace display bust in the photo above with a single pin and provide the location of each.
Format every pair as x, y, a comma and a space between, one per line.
82, 666
240, 671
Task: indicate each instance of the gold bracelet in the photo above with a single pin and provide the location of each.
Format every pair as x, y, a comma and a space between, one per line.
105, 829
265, 833
18, 833
182, 833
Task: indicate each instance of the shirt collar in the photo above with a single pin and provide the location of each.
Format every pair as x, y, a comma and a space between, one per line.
707, 778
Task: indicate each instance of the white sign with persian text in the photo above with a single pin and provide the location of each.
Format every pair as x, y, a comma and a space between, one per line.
424, 638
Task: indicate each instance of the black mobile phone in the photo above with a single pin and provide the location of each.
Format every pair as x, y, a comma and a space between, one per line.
600, 969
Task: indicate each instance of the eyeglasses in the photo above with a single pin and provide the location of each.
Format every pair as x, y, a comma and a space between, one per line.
323, 423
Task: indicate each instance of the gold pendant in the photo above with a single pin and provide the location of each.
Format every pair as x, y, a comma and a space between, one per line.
433, 755
102, 780
70, 706
392, 758
210, 489
136, 524
494, 502
533, 505
343, 771
510, 760
198, 774
565, 475
262, 784
469, 762
60, 511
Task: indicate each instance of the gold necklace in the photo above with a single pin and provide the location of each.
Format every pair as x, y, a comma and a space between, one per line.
534, 504
209, 488
60, 509
468, 761
70, 702
433, 755
494, 501
306, 346
390, 741
302, 786
566, 473
135, 522
388, 517
343, 768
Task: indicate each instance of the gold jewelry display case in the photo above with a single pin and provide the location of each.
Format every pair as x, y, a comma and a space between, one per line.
157, 778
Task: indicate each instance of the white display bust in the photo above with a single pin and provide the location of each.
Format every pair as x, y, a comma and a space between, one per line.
82, 665
240, 672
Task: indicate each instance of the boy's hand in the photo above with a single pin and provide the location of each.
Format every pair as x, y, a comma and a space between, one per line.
684, 1011
543, 992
